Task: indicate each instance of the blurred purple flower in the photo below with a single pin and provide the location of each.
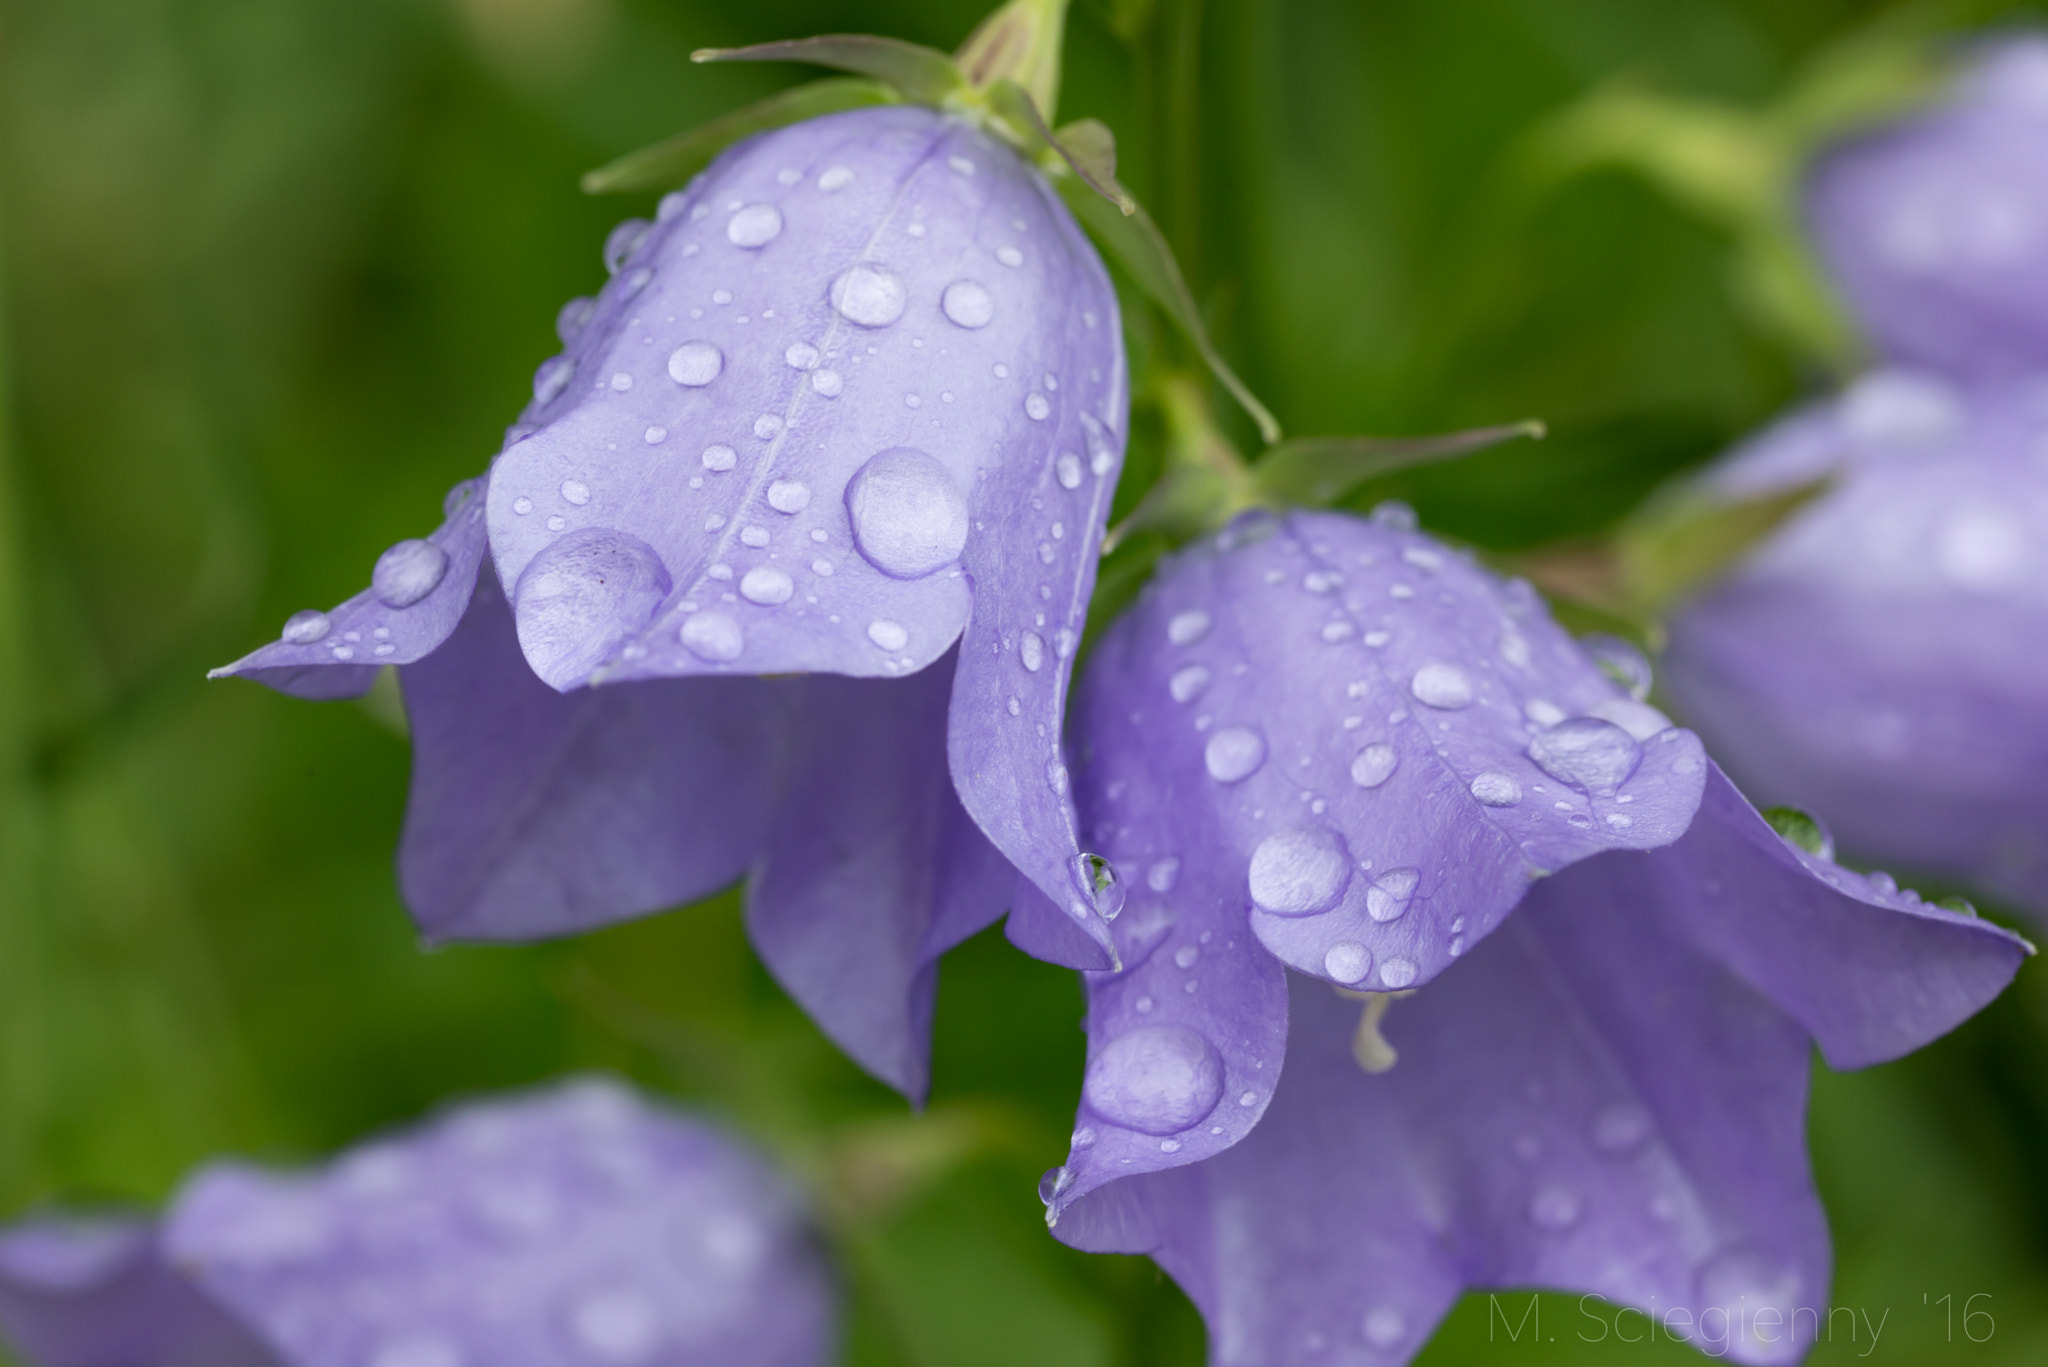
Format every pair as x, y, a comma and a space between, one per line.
852, 407
1333, 746
1880, 659
1936, 228
573, 1226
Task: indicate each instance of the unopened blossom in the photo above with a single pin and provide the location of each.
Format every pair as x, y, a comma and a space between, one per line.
1878, 660
1449, 963
851, 407
578, 1226
1935, 228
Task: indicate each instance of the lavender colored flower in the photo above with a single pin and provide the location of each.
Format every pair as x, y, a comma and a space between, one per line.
573, 1227
1878, 660
1336, 1083
1936, 228
850, 407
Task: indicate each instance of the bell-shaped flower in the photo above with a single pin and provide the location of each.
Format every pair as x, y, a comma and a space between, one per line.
1878, 658
572, 1227
1935, 228
851, 407
1450, 963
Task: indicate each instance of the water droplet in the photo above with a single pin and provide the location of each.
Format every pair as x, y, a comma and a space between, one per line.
766, 585
552, 378
1100, 884
1394, 515
622, 242
1163, 874
1055, 1181
408, 572
712, 636
1158, 1079
574, 317
961, 165
304, 628
1063, 642
1186, 956
888, 635
1067, 469
416, 1350
656, 435
754, 226
1639, 719
1347, 961
1397, 973
1374, 765
1442, 686
1083, 1138
1496, 789
767, 426
1036, 407
1620, 661
556, 522
695, 364
827, 383
909, 517
1188, 684
1620, 1127
1555, 1207
581, 597
1010, 256
1300, 872
1234, 753
835, 178
720, 458
522, 505
967, 303
801, 356
1187, 627
575, 491
1593, 756
1056, 778
1387, 898
1031, 650
1339, 631
789, 496
1383, 1326
617, 1325
1320, 581
869, 296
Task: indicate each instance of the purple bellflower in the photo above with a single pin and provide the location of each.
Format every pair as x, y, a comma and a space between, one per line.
1936, 228
851, 407
1336, 756
1879, 658
573, 1227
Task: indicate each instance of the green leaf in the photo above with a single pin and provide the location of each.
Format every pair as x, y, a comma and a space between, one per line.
1140, 248
1316, 471
669, 163
1014, 105
1091, 148
1680, 542
922, 74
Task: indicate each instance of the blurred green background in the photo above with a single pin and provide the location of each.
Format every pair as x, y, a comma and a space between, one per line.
277, 272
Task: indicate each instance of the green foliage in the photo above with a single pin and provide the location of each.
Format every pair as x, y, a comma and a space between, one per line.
276, 275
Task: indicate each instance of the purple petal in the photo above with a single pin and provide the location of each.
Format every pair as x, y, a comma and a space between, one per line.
538, 813
93, 1291
1876, 661
572, 1225
774, 445
419, 591
1388, 743
1936, 229
871, 869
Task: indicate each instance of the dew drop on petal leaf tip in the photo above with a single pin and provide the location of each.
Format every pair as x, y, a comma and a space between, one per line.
581, 597
1101, 884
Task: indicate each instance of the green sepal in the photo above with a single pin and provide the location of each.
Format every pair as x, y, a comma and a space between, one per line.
923, 75
1025, 126
1020, 42
1140, 248
1317, 471
1680, 542
1801, 829
672, 161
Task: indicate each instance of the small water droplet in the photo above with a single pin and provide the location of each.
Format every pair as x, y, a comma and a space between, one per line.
1055, 1181
656, 435
909, 517
695, 364
1010, 256
522, 505
1387, 898
1186, 628
1593, 756
1555, 1207
1443, 686
1234, 754
1031, 650
1496, 789
1067, 469
1347, 961
1394, 515
888, 635
869, 296
720, 458
1157, 1079
574, 317
767, 426
712, 636
552, 378
827, 383
1620, 1127
961, 165
556, 522
1100, 884
1056, 777
1299, 872
1334, 632
835, 178
1163, 874
408, 572
789, 496
766, 585
1374, 765
575, 491
306, 627
1383, 1326
756, 225
968, 303
1036, 407
801, 356
1188, 683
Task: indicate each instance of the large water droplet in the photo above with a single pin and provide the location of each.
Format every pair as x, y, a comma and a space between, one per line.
1037, 407
304, 628
1100, 884
581, 597
695, 364
408, 572
967, 303
1347, 961
869, 296
1300, 872
1159, 1079
1592, 755
1374, 765
909, 517
1496, 789
1442, 685
1234, 753
756, 225
789, 496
